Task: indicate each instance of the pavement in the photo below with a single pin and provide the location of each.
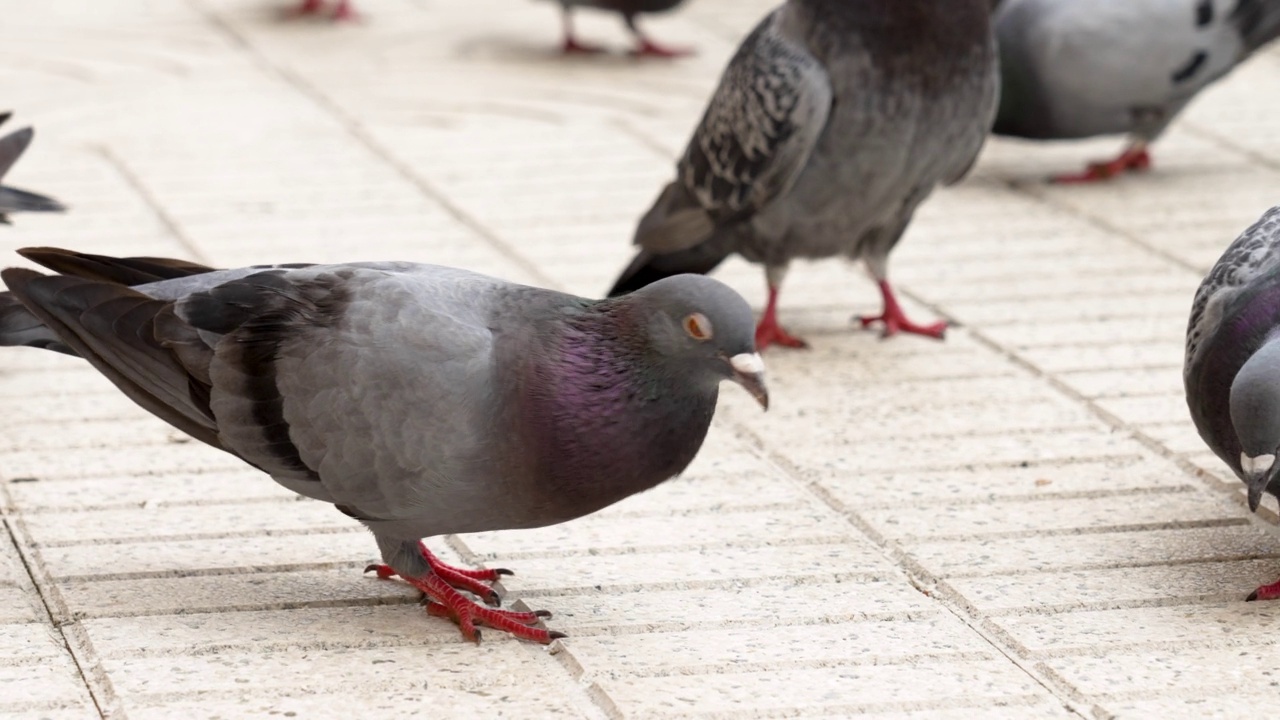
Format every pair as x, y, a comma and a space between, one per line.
1017, 523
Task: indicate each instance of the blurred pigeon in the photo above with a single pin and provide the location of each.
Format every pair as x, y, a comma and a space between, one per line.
343, 10
1079, 68
1232, 371
420, 400
833, 121
629, 9
12, 199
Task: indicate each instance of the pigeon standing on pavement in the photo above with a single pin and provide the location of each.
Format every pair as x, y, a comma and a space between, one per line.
629, 9
1232, 370
420, 400
12, 199
1080, 68
831, 124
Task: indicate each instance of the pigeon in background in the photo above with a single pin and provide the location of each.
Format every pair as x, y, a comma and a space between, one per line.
629, 9
12, 199
1232, 370
1080, 68
831, 124
420, 400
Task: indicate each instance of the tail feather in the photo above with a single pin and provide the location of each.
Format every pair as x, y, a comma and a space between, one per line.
647, 268
125, 271
113, 327
14, 200
19, 328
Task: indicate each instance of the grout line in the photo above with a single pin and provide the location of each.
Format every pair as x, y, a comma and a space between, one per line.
167, 220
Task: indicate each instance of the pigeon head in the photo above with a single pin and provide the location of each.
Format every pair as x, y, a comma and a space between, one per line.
1255, 415
705, 328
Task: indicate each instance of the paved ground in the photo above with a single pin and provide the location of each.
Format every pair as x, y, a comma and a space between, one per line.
1018, 523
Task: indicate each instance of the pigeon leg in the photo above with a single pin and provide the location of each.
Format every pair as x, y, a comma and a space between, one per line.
469, 579
896, 321
445, 601
1135, 158
309, 7
769, 332
571, 45
648, 48
345, 12
1265, 592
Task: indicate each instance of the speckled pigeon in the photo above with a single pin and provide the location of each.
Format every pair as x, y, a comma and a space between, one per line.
629, 9
1232, 370
831, 124
1080, 68
420, 400
12, 199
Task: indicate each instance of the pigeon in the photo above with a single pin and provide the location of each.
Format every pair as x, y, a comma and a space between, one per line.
12, 199
1232, 367
832, 123
343, 10
420, 400
629, 9
1080, 68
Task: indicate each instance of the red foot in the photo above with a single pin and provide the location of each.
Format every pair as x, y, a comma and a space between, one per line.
769, 332
444, 601
1266, 592
648, 48
572, 47
896, 321
1129, 161
469, 579
343, 12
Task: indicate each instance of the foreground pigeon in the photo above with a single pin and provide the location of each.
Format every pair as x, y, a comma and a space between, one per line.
420, 400
629, 9
12, 199
1080, 68
832, 123
1232, 371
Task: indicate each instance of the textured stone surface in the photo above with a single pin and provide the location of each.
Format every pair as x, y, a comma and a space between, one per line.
1017, 523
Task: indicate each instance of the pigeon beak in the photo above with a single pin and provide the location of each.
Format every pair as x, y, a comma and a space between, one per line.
748, 371
1256, 476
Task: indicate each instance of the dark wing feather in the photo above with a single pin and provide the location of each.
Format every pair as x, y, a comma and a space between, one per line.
12, 146
114, 328
124, 271
754, 140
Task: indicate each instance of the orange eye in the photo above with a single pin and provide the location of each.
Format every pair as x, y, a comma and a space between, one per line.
698, 326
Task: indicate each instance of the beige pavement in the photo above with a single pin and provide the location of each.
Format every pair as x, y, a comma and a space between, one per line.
1017, 523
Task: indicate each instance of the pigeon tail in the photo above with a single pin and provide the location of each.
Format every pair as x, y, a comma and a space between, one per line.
19, 327
14, 200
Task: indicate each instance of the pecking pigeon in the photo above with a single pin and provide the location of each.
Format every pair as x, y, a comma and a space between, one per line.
1232, 370
629, 9
12, 199
1080, 68
833, 121
420, 400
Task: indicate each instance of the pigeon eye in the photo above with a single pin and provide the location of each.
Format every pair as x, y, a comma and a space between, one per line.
698, 326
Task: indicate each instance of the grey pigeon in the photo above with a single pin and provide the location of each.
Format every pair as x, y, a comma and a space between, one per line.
420, 400
1232, 370
12, 199
629, 9
1080, 68
831, 124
